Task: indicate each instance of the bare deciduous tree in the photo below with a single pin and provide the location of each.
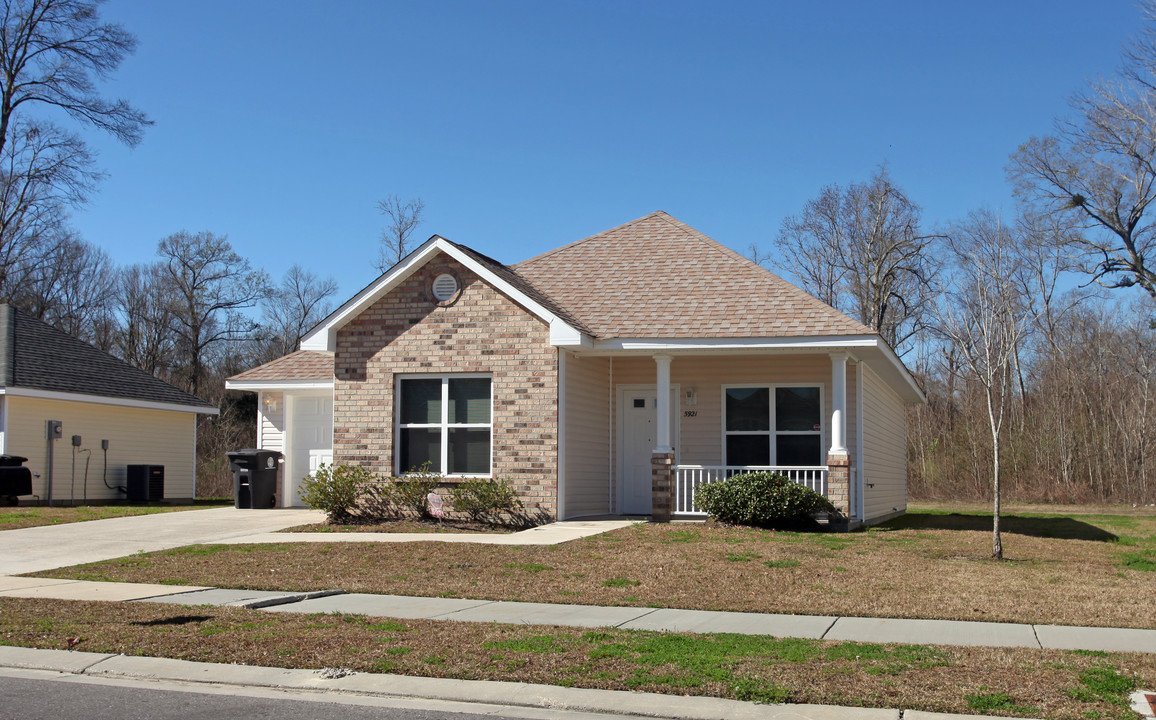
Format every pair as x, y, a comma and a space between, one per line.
1099, 170
404, 218
145, 305
860, 249
985, 316
298, 303
51, 53
71, 289
209, 282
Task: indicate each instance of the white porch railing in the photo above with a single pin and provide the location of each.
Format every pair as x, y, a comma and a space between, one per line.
689, 478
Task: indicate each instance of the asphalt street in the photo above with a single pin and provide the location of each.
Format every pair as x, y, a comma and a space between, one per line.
36, 695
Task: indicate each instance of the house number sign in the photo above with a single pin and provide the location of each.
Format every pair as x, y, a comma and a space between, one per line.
690, 413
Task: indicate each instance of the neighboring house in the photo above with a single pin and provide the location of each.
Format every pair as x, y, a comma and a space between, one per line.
49, 376
612, 375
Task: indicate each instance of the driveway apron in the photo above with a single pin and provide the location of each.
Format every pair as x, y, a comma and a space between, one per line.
53, 546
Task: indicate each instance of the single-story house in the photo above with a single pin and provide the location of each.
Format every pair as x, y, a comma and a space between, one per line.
82, 417
611, 375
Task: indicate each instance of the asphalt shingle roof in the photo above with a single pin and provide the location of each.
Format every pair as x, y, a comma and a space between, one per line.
36, 355
299, 365
658, 278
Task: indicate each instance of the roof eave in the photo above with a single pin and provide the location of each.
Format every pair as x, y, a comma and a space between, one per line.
266, 385
869, 348
108, 400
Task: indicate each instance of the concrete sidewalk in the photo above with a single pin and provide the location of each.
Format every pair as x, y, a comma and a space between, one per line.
502, 699
817, 627
553, 533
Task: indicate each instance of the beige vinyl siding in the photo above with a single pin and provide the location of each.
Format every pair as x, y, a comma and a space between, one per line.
135, 435
271, 423
587, 444
700, 436
884, 449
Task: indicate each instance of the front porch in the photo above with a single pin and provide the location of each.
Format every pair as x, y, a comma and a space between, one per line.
680, 421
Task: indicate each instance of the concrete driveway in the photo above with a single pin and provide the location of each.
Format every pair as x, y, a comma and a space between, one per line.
52, 546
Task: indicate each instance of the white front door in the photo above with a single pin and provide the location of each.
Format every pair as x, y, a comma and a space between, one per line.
309, 441
637, 437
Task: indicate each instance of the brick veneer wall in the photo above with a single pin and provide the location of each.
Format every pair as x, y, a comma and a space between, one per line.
479, 331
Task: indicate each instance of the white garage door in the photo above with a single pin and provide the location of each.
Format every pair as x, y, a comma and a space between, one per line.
310, 440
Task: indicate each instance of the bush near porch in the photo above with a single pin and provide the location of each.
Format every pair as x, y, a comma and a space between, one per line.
762, 499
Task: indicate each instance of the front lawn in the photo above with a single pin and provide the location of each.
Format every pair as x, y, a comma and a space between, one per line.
1050, 684
1062, 569
14, 518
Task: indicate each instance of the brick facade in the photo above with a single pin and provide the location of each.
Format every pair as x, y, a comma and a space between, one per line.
478, 331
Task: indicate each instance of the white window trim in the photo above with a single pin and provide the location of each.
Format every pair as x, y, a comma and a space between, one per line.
772, 432
444, 425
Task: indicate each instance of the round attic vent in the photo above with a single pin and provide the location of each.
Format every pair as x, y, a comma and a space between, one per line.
445, 286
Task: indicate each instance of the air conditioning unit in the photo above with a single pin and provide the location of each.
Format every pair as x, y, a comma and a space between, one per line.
146, 483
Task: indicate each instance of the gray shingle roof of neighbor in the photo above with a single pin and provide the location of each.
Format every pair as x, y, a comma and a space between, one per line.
35, 355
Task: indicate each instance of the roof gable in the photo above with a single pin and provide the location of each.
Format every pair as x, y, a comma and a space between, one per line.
656, 277
34, 355
564, 329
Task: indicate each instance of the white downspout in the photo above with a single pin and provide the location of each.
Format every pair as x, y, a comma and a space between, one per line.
860, 469
561, 435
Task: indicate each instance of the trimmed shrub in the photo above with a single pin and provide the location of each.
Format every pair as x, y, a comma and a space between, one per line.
486, 501
763, 499
411, 491
377, 502
335, 490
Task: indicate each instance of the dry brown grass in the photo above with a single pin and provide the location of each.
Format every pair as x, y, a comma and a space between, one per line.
1038, 683
926, 566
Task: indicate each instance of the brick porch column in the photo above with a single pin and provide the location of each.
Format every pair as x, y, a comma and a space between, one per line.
662, 486
839, 483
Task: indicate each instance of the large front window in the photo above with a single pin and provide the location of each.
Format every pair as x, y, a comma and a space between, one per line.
773, 425
446, 422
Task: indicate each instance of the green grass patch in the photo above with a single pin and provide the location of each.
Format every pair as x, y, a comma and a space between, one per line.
529, 567
1142, 562
781, 563
742, 557
987, 702
621, 582
196, 550
1103, 684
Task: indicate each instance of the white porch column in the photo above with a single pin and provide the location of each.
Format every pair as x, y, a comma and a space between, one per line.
663, 405
838, 404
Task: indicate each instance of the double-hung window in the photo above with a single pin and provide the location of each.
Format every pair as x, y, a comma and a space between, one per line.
773, 425
445, 421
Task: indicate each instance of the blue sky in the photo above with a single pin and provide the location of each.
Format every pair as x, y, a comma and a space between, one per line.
527, 125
